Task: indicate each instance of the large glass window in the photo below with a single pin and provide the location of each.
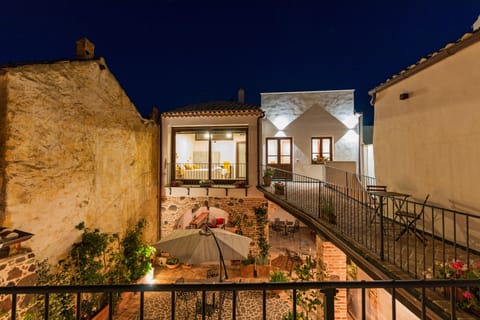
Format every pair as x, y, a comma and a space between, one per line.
210, 154
322, 148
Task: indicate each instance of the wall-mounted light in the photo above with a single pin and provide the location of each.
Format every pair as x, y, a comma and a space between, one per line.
404, 96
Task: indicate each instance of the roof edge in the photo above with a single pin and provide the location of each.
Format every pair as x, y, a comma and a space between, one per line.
318, 91
431, 59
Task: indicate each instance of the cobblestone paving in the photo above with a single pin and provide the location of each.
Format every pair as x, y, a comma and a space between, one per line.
249, 304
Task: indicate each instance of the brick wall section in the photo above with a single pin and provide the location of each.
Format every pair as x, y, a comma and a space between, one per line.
174, 207
333, 262
17, 270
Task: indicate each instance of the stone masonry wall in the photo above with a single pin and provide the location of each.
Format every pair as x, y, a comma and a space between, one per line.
76, 149
174, 207
17, 270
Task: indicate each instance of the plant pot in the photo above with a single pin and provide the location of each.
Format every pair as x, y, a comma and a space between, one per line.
246, 271
263, 271
172, 266
267, 181
332, 219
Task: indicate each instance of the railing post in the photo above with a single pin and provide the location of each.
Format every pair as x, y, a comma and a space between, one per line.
329, 303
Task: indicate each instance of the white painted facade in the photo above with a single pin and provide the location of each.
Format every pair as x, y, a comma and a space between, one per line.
429, 142
303, 115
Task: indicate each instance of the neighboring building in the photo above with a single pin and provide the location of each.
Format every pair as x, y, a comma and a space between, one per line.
209, 160
73, 148
303, 129
427, 131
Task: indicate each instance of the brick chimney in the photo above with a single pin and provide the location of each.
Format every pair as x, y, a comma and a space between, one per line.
241, 95
85, 49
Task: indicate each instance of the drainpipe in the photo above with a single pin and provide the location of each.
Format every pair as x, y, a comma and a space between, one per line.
259, 145
360, 144
159, 192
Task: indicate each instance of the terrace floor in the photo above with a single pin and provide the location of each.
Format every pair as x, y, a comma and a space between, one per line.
158, 305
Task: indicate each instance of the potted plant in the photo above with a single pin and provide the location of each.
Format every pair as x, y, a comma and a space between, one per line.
240, 184
278, 276
246, 267
279, 188
176, 183
262, 262
172, 262
327, 211
206, 183
267, 177
319, 160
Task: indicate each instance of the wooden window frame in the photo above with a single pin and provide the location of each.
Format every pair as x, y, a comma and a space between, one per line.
321, 152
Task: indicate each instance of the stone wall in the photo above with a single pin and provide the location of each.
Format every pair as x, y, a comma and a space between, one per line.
17, 270
174, 207
76, 149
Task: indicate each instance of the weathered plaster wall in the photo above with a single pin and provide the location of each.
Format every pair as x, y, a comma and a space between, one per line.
76, 150
313, 114
429, 143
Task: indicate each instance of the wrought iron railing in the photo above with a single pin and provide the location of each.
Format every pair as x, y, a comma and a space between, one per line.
327, 290
419, 247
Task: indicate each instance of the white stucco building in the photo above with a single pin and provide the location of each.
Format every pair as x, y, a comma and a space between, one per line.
301, 129
426, 127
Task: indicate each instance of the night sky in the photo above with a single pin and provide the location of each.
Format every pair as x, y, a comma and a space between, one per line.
172, 53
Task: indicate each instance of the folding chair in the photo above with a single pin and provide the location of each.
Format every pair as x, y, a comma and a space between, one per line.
409, 220
375, 199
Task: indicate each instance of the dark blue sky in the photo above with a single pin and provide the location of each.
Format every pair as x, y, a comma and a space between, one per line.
172, 53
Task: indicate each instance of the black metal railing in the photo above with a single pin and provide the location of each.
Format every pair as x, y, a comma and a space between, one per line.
326, 292
223, 173
421, 246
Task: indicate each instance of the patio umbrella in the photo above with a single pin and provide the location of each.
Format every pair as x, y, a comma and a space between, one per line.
205, 244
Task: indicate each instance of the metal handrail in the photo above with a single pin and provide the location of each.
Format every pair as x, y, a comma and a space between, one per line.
449, 235
328, 288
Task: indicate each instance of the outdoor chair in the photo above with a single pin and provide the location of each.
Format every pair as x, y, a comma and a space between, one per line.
409, 221
293, 259
212, 273
374, 200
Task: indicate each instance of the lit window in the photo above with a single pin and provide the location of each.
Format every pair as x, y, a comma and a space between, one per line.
322, 149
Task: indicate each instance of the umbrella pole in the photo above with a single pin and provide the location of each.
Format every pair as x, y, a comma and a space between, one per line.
222, 262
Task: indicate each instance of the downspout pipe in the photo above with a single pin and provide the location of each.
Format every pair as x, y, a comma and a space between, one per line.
160, 172
259, 145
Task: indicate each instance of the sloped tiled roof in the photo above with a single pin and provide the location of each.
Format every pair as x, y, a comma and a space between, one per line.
215, 108
466, 40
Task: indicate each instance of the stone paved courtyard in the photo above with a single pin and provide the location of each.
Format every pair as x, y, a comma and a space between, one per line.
249, 304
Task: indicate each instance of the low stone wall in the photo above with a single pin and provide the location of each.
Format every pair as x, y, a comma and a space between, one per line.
17, 270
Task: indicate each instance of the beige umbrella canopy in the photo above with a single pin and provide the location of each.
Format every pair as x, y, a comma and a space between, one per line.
202, 245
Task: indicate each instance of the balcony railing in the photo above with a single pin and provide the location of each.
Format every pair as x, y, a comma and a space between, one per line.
438, 237
326, 291
223, 173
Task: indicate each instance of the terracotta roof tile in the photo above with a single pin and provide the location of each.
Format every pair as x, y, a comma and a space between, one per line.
214, 108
